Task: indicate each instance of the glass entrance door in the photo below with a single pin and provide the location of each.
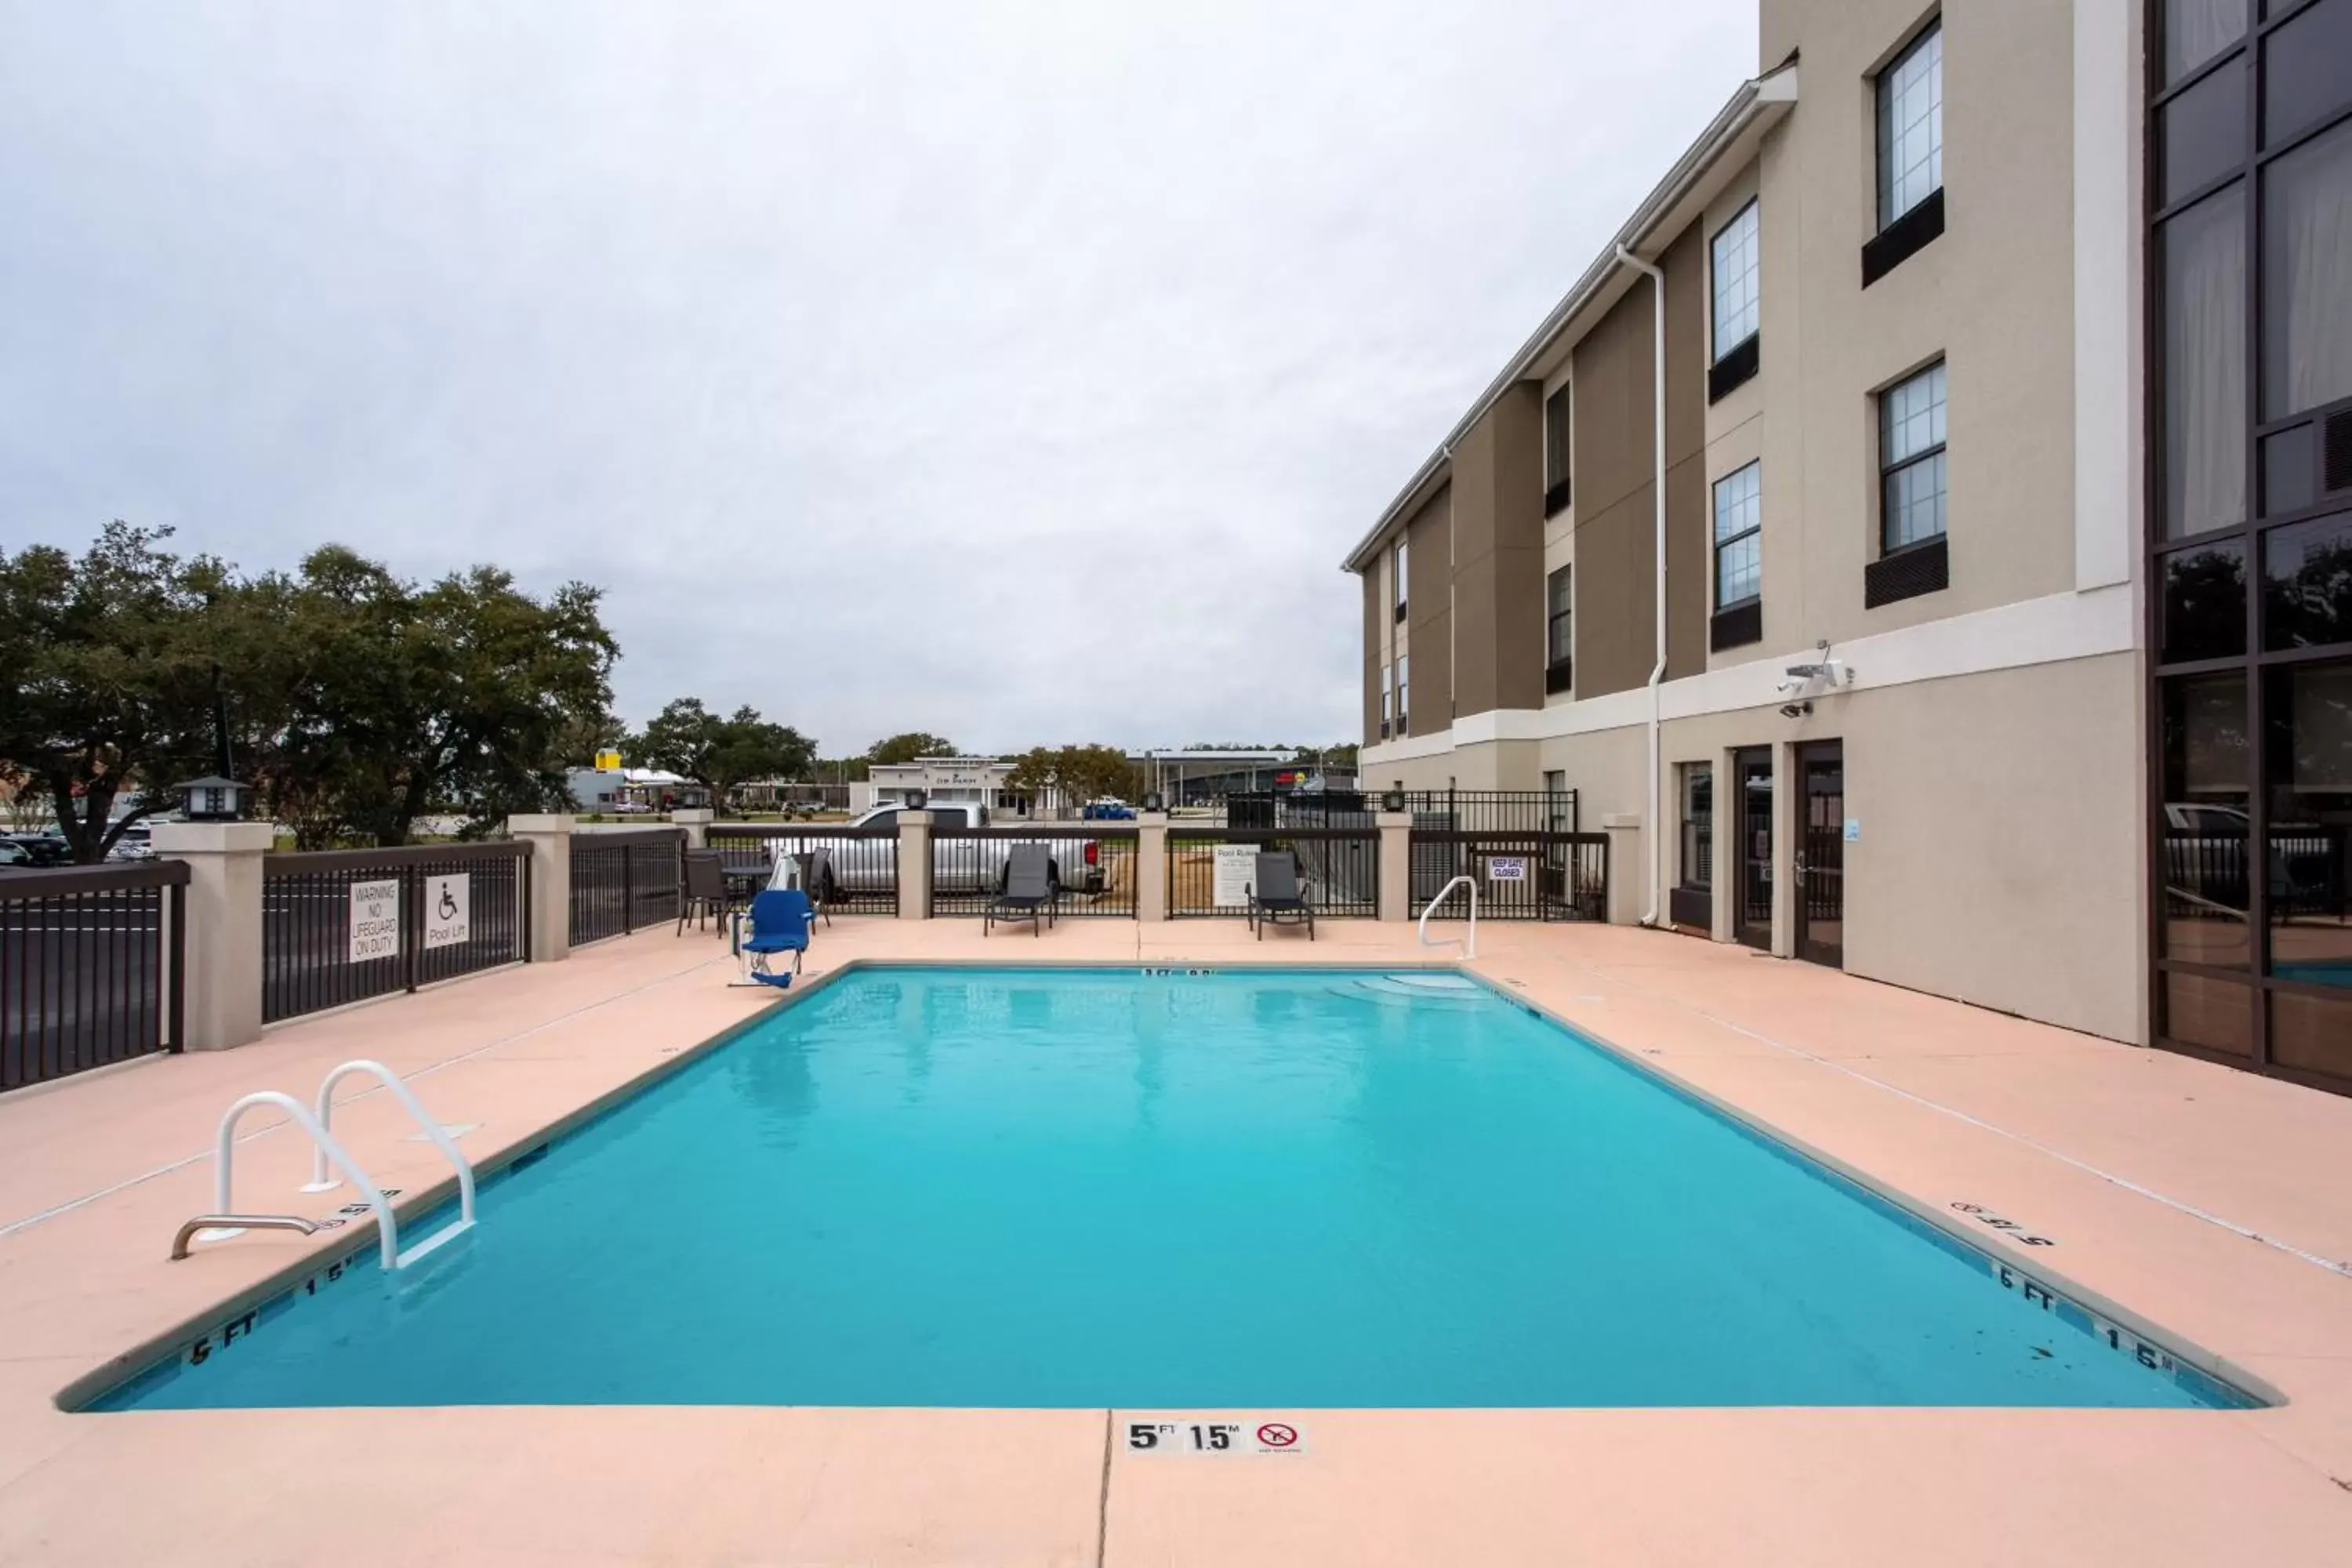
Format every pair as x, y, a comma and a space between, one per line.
1752, 771
1820, 857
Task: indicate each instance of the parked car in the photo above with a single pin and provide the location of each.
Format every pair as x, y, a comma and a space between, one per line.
136, 844
1107, 810
13, 857
42, 848
857, 864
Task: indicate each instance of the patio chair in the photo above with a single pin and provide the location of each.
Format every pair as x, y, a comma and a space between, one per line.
702, 890
1028, 890
1276, 893
780, 919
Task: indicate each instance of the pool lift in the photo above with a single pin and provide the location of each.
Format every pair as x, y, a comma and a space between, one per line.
225, 1221
1468, 944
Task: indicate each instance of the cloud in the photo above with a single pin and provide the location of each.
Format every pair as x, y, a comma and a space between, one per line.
1016, 371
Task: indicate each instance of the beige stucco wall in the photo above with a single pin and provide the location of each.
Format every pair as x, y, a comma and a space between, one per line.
1992, 296
1998, 858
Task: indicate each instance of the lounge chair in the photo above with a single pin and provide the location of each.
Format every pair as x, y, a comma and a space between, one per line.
780, 919
1276, 893
702, 890
1028, 890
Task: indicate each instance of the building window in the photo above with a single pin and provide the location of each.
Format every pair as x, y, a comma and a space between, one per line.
1910, 155
1739, 527
1557, 490
1559, 638
1738, 303
1403, 722
1386, 674
1911, 126
1911, 461
2250, 158
1397, 574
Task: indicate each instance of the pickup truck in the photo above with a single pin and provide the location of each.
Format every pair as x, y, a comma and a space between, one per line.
857, 864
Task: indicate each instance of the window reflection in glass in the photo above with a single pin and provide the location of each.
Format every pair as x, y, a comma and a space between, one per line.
2215, 1014
2307, 584
2204, 807
2202, 614
1698, 826
2307, 713
2314, 1033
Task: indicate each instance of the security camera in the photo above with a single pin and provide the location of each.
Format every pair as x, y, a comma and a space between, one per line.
1797, 709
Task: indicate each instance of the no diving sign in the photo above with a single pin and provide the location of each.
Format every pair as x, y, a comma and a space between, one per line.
1186, 1435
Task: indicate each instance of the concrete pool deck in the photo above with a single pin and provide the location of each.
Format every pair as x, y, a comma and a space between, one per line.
1942, 1102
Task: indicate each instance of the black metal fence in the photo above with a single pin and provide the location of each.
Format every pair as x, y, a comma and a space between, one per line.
91, 966
1092, 867
1207, 867
624, 881
1522, 876
343, 925
860, 869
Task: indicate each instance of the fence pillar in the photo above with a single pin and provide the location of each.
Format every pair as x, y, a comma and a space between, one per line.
548, 834
695, 820
223, 986
1396, 865
914, 865
1151, 866
1629, 881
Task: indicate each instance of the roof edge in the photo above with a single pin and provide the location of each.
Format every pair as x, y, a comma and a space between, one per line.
1766, 94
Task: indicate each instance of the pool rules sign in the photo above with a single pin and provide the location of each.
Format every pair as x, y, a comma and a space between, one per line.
449, 911
375, 919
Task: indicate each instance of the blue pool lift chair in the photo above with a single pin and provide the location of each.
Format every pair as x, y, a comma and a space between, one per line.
781, 922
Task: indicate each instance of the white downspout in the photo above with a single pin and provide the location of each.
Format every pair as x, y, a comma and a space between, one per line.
1658, 669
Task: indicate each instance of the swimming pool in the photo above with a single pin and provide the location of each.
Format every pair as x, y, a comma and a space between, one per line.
1036, 1187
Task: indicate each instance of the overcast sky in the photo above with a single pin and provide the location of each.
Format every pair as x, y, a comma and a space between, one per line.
1016, 371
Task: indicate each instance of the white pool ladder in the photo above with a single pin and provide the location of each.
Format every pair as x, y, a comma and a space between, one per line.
1469, 945
320, 1180
225, 1221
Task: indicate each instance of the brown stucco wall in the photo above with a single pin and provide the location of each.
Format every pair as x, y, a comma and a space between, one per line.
1616, 459
1373, 609
1497, 506
1428, 615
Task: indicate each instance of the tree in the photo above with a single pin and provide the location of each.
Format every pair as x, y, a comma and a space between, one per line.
906, 748
373, 700
1077, 773
112, 665
720, 754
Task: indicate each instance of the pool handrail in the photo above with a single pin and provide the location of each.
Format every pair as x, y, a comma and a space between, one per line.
432, 1129
1468, 945
387, 1229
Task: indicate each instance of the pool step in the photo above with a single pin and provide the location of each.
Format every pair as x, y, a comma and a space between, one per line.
1427, 989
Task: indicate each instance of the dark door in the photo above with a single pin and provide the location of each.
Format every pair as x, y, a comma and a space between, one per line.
1752, 771
1820, 857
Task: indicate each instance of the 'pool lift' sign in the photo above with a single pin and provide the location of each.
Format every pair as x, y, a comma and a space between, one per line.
375, 919
448, 910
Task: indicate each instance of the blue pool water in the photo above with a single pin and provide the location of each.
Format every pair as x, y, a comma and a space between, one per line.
1094, 1188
